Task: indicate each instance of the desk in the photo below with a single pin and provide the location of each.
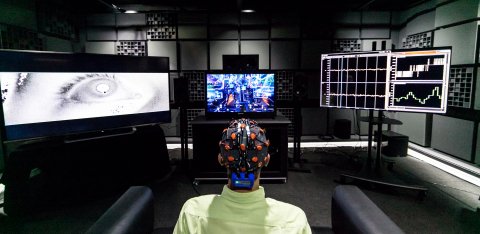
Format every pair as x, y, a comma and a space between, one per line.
208, 132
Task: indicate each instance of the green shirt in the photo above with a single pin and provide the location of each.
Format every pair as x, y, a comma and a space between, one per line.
245, 213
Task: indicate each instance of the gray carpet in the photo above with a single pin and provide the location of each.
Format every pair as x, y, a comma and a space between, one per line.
449, 207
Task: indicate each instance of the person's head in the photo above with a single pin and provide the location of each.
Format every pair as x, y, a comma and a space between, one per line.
244, 152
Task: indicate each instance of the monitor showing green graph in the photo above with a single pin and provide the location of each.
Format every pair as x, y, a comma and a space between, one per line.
415, 81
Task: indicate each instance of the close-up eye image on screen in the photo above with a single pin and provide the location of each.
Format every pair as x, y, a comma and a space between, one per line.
240, 92
44, 97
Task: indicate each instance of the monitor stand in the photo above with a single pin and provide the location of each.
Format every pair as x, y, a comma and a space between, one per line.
377, 175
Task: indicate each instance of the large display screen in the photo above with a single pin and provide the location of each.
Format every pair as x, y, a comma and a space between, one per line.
415, 81
240, 93
55, 94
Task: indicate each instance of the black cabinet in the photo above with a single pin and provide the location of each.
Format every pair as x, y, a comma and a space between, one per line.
208, 132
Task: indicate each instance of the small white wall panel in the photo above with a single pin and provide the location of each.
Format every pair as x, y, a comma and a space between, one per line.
257, 47
164, 49
345, 33
375, 33
100, 47
132, 33
218, 49
193, 55
101, 34
375, 17
452, 136
312, 51
462, 38
131, 19
456, 11
285, 54
101, 20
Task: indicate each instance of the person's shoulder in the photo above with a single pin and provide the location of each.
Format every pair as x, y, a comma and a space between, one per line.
195, 204
286, 211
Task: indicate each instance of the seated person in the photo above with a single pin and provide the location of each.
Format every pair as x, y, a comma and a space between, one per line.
242, 206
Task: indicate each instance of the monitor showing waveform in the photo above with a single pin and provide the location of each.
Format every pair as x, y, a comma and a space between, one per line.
418, 95
402, 80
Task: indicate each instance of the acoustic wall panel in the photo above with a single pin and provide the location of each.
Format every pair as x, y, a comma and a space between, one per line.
257, 47
452, 136
477, 151
345, 33
254, 32
131, 19
312, 51
462, 38
285, 30
285, 25
58, 45
192, 18
218, 49
192, 31
100, 47
101, 20
375, 17
375, 33
20, 14
164, 49
132, 33
420, 24
224, 32
193, 55
101, 34
224, 18
314, 121
285, 54
417, 126
253, 19
477, 93
347, 18
456, 11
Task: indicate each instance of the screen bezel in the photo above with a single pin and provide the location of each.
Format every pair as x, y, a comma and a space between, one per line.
229, 115
53, 62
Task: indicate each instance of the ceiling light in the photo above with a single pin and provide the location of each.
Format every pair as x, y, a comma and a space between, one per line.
130, 11
248, 11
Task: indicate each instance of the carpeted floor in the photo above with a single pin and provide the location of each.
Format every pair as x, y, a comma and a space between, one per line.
449, 207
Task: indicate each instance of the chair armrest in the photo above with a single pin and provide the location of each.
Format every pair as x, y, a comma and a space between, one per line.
354, 212
133, 212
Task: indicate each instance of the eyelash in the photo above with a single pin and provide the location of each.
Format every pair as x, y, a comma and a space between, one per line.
69, 86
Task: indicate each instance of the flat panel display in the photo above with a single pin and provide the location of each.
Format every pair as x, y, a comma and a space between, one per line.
415, 81
232, 95
54, 94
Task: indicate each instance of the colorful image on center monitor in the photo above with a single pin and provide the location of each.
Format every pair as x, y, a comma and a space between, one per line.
240, 92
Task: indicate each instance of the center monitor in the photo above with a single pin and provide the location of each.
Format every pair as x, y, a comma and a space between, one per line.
233, 95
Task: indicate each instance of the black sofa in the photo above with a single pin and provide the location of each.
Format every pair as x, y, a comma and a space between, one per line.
352, 212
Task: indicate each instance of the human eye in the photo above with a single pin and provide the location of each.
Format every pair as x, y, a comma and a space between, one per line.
97, 88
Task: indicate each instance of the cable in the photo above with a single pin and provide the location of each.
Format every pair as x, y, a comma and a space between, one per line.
193, 186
